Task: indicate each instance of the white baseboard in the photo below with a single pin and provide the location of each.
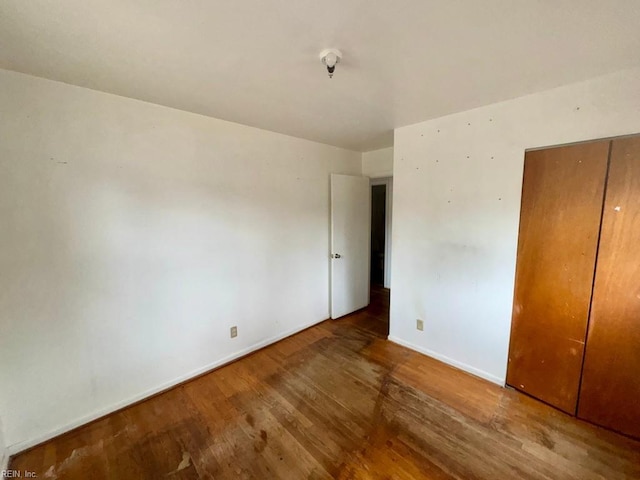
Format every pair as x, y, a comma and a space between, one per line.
450, 361
21, 446
4, 460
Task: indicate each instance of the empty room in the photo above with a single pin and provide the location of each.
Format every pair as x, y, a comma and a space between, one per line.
320, 239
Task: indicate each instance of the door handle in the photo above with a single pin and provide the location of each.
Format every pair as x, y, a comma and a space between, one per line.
336, 255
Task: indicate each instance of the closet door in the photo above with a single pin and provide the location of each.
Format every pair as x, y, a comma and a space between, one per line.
610, 392
560, 216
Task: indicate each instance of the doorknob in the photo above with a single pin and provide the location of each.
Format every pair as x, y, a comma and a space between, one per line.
336, 255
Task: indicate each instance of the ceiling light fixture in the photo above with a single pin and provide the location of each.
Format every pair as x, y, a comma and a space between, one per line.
330, 58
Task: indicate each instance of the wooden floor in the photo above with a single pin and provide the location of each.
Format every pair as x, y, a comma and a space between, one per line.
337, 401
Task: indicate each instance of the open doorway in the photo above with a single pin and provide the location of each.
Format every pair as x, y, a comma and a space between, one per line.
378, 233
381, 191
381, 202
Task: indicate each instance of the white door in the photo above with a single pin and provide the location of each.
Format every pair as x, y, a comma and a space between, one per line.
350, 243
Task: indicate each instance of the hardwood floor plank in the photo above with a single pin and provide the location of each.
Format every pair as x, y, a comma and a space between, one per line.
338, 401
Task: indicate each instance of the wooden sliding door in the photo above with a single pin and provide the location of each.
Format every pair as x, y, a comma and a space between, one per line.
562, 199
610, 392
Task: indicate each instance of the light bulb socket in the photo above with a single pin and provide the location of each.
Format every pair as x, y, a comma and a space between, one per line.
330, 58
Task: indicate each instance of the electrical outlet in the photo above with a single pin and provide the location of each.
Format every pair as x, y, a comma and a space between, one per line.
420, 325
234, 332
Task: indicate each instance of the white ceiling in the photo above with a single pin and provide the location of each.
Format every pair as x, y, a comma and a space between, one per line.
256, 61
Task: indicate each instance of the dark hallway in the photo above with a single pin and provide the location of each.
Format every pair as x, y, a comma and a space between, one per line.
378, 233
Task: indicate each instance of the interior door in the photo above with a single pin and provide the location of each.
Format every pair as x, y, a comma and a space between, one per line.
562, 197
350, 243
610, 392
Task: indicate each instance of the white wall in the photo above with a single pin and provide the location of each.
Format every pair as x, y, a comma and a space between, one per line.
457, 184
4, 453
378, 163
133, 237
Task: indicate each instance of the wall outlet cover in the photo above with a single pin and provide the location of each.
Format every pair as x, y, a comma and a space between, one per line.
234, 332
420, 325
